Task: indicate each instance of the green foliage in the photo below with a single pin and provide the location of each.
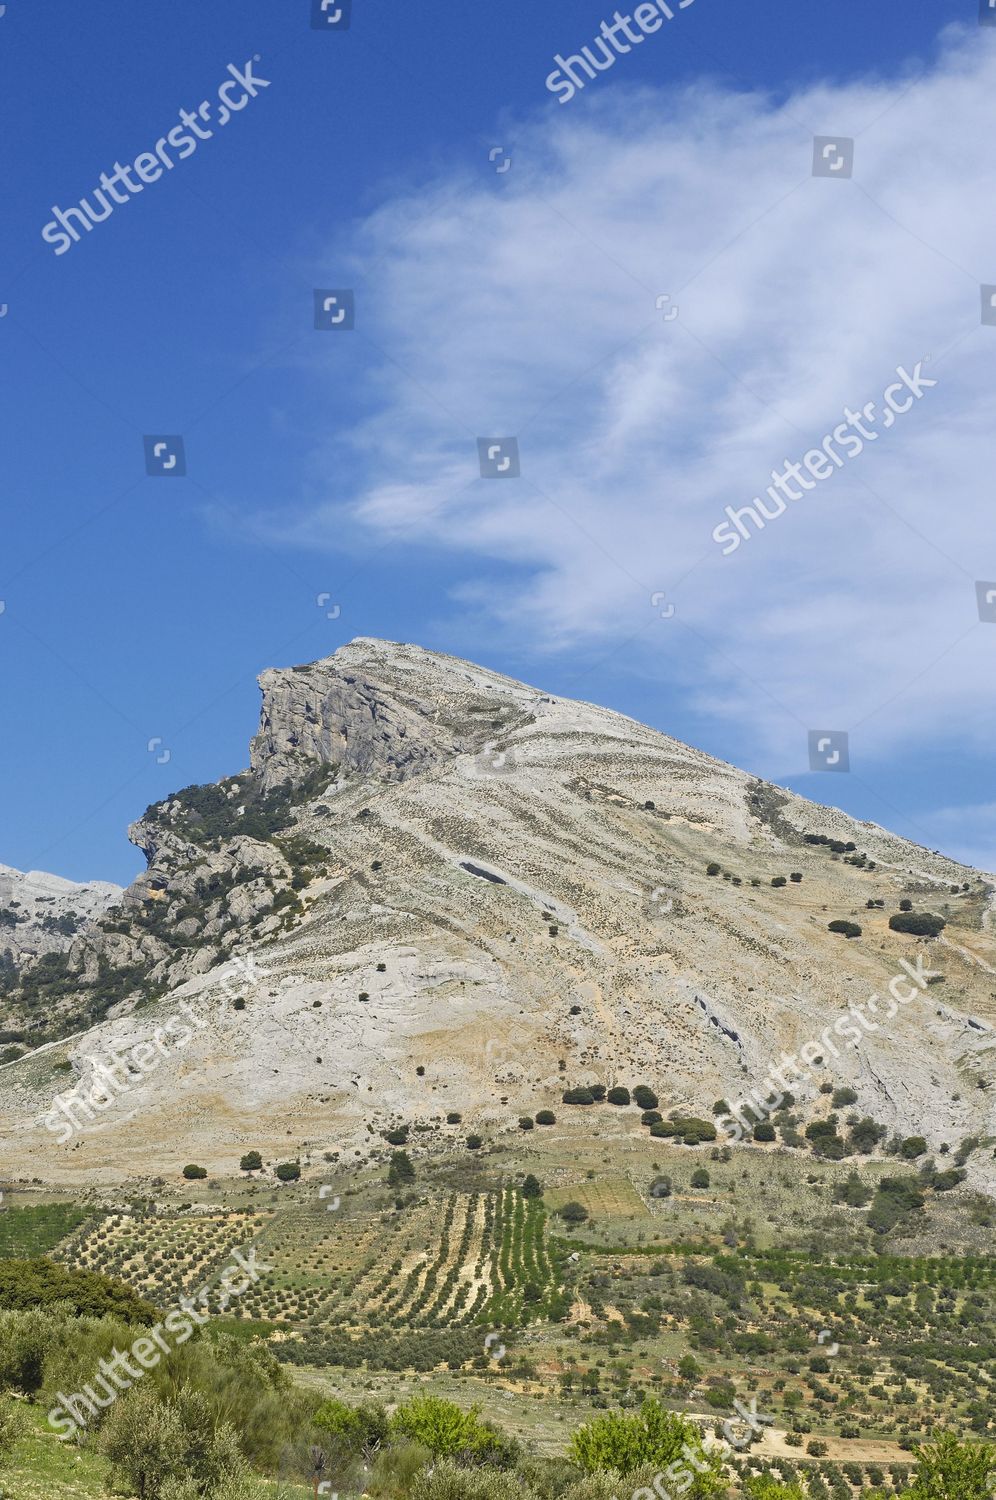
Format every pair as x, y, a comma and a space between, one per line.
36, 1229
644, 1097
401, 1172
692, 1131
208, 815
12, 1425
192, 1171
700, 1178
895, 1197
42, 1283
450, 1432
288, 1171
351, 1427
449, 1481
573, 1213
546, 1117
917, 923
531, 1187
578, 1096
853, 1192
618, 1095
866, 1134
953, 1470
251, 1162
849, 929
652, 1436
149, 1440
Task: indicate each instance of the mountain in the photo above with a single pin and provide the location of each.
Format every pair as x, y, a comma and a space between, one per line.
437, 889
41, 914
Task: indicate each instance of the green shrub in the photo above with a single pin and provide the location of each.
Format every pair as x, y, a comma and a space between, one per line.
400, 1172
573, 1213
450, 1432
546, 1117
191, 1171
618, 1095
623, 1443
289, 1171
449, 1481
849, 929
917, 923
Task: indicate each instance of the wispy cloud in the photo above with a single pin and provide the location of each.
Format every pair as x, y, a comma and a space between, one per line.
528, 305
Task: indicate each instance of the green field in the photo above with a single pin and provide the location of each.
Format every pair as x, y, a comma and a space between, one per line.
748, 1282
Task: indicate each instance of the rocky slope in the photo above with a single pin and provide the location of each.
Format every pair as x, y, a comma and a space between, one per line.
42, 914
440, 889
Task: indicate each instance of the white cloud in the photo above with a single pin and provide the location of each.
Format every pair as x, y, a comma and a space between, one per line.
527, 305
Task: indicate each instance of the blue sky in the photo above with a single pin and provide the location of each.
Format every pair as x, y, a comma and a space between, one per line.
526, 301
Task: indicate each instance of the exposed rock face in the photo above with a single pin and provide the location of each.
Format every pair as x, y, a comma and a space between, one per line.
43, 913
381, 709
431, 866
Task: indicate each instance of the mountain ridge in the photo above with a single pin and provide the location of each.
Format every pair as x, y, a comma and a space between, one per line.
430, 866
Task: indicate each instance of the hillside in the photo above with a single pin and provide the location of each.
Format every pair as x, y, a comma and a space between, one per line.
439, 889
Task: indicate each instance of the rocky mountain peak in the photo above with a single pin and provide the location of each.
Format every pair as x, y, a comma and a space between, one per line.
383, 709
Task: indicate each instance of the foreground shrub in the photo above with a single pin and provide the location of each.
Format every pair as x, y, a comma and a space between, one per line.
148, 1440
652, 1436
611, 1485
450, 1432
447, 1481
950, 1470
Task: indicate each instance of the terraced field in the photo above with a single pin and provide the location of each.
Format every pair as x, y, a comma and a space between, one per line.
444, 1263
162, 1255
36, 1229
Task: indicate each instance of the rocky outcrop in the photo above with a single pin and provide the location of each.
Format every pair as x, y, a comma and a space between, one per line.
380, 709
454, 891
43, 913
